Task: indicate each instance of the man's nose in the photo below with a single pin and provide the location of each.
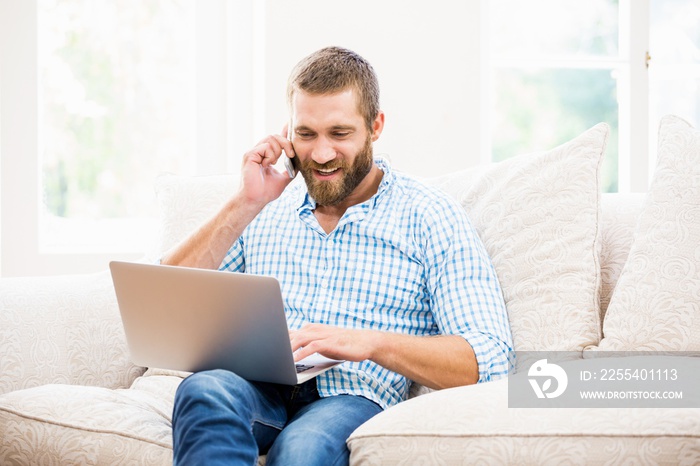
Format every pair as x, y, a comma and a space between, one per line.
323, 151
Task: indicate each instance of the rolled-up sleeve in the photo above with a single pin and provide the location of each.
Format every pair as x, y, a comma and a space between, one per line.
466, 297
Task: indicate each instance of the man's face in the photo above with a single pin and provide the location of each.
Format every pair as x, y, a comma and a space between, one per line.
333, 145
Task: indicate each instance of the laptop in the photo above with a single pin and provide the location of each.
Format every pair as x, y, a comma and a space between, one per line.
193, 320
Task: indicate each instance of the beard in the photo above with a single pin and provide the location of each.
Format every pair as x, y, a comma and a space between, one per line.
331, 193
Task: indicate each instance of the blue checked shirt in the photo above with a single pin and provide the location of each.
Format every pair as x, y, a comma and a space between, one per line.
406, 261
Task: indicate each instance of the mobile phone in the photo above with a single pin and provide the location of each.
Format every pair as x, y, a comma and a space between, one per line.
291, 164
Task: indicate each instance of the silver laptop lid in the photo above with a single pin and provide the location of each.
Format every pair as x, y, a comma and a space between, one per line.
193, 319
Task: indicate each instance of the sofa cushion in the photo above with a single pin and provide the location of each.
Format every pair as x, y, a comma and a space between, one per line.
474, 425
656, 303
537, 215
71, 424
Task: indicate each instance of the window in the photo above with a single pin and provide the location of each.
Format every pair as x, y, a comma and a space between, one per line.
116, 95
99, 97
557, 67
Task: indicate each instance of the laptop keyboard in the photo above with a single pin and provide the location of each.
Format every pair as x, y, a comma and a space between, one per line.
303, 367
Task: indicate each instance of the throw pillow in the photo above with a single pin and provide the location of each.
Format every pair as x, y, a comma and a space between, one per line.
656, 303
537, 215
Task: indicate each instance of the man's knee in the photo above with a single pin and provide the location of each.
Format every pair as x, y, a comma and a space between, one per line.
215, 387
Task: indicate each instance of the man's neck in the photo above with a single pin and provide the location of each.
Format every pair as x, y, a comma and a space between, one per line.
329, 216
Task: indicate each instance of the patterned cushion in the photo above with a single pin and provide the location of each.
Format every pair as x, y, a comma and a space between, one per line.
71, 424
537, 215
656, 304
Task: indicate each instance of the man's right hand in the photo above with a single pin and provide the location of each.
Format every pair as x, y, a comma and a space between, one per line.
261, 182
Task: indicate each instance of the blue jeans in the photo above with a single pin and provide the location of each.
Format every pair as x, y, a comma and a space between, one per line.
220, 418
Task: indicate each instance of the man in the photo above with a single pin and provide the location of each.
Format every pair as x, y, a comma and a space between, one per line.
376, 269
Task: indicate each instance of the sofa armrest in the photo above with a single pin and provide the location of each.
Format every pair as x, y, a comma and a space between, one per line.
62, 329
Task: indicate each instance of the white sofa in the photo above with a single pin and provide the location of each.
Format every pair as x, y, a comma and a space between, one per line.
581, 272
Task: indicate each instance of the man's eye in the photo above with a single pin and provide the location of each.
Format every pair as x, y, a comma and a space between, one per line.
341, 135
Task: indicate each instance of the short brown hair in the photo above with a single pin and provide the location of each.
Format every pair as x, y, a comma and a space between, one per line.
335, 69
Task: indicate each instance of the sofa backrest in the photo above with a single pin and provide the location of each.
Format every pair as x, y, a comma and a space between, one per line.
619, 213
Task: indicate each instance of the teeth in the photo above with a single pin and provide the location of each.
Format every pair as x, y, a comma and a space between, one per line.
326, 172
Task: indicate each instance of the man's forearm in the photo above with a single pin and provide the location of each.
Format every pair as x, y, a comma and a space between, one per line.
207, 246
441, 361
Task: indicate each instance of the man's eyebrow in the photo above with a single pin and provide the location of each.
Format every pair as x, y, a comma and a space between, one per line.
332, 128
343, 128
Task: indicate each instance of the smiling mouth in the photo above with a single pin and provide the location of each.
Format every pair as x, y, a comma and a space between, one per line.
327, 172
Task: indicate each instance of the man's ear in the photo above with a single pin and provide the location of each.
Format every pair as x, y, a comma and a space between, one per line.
377, 126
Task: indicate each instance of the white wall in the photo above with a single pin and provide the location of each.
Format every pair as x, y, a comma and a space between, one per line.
426, 55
